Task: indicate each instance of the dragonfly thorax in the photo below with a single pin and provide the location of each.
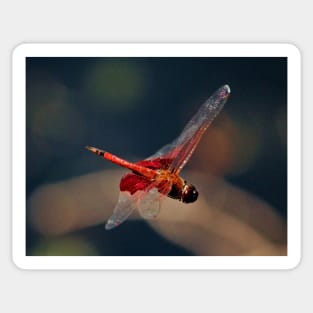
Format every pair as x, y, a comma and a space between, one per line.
183, 191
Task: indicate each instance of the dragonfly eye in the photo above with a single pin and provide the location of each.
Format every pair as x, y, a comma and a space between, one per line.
189, 194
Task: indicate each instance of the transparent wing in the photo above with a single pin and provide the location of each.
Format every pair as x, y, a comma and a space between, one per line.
147, 201
149, 204
125, 205
181, 149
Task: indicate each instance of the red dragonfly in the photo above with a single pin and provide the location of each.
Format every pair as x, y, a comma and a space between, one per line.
159, 175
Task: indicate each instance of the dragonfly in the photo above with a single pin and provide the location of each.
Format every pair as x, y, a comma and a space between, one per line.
158, 176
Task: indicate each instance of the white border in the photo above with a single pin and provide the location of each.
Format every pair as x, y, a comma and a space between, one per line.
156, 50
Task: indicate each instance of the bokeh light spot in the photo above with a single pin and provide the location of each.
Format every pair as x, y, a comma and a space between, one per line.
229, 147
116, 85
55, 123
64, 246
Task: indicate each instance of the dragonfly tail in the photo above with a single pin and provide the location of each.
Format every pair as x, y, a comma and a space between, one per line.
147, 172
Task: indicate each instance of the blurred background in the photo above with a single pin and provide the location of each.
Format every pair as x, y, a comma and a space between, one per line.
131, 107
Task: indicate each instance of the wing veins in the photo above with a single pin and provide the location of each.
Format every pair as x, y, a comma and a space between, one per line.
182, 148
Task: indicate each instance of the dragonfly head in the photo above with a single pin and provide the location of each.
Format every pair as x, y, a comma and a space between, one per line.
189, 193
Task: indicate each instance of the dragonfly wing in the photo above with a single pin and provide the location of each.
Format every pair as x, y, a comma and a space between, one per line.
181, 149
149, 204
147, 201
125, 205
150, 201
165, 150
